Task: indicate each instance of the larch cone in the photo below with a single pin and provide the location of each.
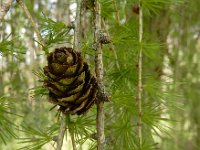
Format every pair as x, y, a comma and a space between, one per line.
70, 83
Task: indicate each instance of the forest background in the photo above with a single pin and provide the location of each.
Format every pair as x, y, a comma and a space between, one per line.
151, 73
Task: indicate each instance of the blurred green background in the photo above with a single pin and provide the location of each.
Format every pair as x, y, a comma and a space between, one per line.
171, 74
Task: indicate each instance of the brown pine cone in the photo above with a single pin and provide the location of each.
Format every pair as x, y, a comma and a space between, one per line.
70, 83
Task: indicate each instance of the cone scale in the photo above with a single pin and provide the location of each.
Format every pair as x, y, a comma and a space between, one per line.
70, 83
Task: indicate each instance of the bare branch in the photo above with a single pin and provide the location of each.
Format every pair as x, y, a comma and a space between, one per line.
99, 75
4, 8
140, 88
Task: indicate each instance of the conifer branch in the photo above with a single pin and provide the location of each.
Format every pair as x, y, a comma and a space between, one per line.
4, 8
61, 132
99, 75
28, 14
140, 88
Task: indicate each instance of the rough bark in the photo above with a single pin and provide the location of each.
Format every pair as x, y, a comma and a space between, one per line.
99, 75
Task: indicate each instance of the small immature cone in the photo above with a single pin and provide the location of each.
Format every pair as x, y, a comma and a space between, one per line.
136, 9
70, 83
103, 38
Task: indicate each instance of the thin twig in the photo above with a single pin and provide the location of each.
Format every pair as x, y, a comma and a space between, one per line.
4, 8
116, 12
140, 88
99, 75
28, 14
73, 141
71, 134
77, 27
61, 132
112, 46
